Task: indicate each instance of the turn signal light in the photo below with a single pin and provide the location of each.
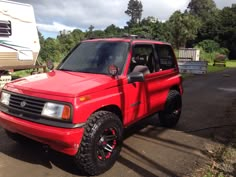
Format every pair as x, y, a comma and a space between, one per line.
84, 98
66, 113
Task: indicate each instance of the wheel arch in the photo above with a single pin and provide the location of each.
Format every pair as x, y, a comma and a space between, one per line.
176, 87
114, 109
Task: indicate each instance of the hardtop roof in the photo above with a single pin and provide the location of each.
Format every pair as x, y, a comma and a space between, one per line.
141, 40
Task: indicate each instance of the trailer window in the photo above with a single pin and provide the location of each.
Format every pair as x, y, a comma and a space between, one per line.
5, 28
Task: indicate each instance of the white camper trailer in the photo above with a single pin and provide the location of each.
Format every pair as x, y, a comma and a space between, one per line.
19, 41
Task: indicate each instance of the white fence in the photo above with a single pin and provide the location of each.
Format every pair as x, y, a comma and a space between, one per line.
189, 53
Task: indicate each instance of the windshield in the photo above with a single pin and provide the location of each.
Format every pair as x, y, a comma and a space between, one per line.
96, 57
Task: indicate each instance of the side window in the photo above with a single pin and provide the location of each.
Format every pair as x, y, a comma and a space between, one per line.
5, 28
165, 56
142, 59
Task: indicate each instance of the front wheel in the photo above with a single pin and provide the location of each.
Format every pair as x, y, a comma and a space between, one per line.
169, 117
101, 143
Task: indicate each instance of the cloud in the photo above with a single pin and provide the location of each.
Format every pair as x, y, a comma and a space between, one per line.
223, 3
163, 9
80, 13
54, 27
53, 15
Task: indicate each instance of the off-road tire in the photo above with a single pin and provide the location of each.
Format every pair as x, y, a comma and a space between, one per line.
87, 158
169, 117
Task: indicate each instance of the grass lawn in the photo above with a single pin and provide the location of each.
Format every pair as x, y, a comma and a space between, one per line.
211, 68
21, 73
231, 63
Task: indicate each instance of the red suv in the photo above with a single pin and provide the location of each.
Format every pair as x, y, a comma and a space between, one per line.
101, 87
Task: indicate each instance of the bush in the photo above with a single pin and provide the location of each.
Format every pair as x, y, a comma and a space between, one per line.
224, 51
210, 50
209, 46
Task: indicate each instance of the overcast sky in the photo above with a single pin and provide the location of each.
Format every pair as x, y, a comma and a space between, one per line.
55, 15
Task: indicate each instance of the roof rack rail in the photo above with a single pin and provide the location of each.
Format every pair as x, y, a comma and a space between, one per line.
134, 36
125, 35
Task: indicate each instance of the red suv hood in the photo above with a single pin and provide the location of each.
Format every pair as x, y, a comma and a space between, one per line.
64, 83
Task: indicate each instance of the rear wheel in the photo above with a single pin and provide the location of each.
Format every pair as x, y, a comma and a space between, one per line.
169, 117
101, 143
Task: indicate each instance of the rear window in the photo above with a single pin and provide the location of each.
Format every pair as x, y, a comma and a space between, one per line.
166, 57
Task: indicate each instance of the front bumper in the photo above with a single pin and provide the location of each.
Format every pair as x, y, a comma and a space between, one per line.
65, 140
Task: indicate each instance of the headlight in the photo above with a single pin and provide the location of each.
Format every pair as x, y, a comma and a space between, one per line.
5, 98
57, 111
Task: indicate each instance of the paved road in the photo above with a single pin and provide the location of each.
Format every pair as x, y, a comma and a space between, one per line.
149, 150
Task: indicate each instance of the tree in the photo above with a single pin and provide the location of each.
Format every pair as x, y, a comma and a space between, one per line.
210, 28
202, 8
77, 35
207, 12
134, 10
148, 21
155, 29
41, 38
98, 34
91, 28
41, 41
227, 29
66, 42
182, 27
112, 30
209, 46
89, 33
50, 50
161, 31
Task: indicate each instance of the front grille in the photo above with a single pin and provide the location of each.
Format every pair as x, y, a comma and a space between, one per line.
30, 108
25, 104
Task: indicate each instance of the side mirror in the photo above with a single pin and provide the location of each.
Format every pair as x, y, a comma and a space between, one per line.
135, 77
50, 65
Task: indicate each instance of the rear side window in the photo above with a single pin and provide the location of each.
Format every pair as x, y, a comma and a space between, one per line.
165, 56
142, 56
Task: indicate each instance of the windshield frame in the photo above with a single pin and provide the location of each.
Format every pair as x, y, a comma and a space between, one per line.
90, 41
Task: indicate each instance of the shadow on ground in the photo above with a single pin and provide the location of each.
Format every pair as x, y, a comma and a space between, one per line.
139, 156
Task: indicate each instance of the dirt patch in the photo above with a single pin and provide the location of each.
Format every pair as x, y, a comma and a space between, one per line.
222, 151
222, 161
